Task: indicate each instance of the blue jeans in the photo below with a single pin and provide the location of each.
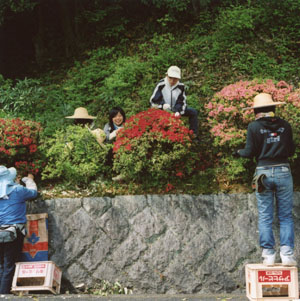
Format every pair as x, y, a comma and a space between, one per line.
9, 254
192, 114
279, 185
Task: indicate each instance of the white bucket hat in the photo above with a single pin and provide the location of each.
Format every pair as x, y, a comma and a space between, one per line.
7, 177
174, 71
263, 100
81, 113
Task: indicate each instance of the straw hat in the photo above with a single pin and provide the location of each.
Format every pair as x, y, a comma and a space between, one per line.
174, 71
81, 113
263, 100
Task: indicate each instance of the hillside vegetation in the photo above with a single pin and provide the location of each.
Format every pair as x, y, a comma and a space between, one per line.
100, 54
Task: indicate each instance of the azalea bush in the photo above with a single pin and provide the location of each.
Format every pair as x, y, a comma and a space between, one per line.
154, 147
74, 157
20, 145
228, 122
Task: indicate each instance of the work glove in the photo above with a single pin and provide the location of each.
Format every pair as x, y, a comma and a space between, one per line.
258, 183
166, 107
29, 182
156, 106
235, 154
177, 114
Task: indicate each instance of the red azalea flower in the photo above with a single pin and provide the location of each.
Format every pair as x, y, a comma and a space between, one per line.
169, 187
32, 148
179, 174
26, 141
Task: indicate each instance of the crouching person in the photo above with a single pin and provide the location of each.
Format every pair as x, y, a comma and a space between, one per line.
169, 95
12, 221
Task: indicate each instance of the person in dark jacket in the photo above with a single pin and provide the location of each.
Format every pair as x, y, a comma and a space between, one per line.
12, 222
169, 95
270, 141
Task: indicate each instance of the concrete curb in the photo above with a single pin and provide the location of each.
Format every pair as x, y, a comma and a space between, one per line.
208, 297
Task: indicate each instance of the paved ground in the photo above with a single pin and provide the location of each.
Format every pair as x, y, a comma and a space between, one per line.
36, 297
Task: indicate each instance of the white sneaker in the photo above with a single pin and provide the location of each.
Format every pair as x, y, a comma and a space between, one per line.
269, 259
288, 260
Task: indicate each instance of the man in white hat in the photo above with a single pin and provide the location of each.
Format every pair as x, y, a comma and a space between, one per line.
270, 141
169, 95
12, 222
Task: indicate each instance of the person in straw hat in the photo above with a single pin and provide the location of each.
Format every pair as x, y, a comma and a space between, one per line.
270, 141
169, 95
81, 117
12, 222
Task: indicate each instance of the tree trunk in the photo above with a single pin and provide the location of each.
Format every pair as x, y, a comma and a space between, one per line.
66, 8
2, 42
38, 39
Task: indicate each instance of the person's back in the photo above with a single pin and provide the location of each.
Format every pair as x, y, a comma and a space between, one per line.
12, 222
270, 141
13, 209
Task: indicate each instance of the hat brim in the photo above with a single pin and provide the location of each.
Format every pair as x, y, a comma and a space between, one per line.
8, 174
173, 75
12, 173
79, 117
269, 105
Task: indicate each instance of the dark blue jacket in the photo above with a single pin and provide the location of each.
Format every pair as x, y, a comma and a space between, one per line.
269, 140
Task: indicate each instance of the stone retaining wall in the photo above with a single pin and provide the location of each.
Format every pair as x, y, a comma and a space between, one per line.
157, 243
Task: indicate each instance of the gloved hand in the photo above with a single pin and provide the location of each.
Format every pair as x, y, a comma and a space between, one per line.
29, 182
235, 154
177, 114
166, 107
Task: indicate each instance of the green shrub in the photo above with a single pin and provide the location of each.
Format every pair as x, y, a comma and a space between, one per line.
235, 23
163, 53
154, 148
228, 123
123, 83
83, 82
21, 98
32, 99
107, 79
20, 145
74, 156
